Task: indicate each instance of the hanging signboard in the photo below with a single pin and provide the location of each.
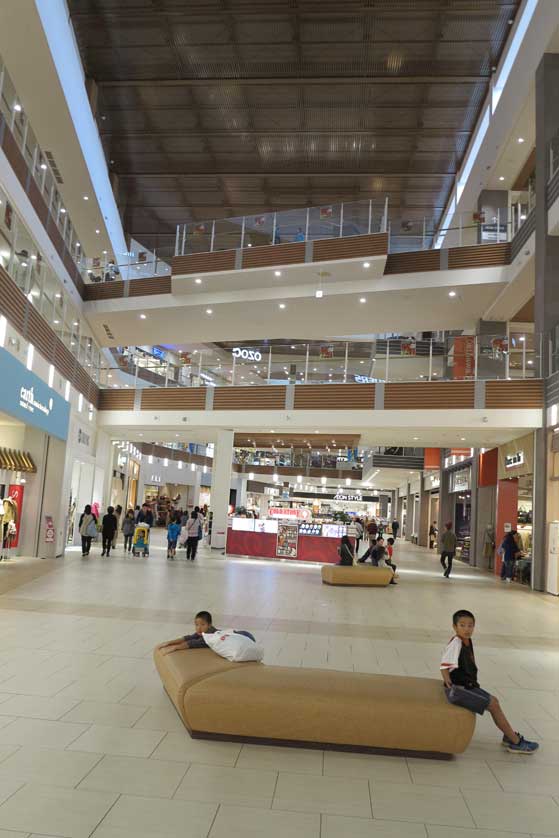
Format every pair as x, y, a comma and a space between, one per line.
287, 540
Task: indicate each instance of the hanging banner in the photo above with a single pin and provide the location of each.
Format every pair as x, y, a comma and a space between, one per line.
464, 357
287, 540
408, 347
327, 350
326, 212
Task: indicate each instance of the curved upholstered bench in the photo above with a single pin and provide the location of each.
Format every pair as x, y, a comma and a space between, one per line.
359, 574
251, 702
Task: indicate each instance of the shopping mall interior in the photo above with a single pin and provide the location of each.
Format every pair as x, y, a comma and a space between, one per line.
279, 341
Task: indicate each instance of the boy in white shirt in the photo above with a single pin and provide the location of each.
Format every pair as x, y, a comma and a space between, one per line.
459, 671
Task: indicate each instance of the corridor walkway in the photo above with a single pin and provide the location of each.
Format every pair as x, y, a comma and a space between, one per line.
90, 745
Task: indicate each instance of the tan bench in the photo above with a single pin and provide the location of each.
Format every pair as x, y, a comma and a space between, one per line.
250, 702
359, 574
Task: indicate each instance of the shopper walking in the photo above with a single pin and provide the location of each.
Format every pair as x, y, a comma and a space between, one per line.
395, 528
432, 535
145, 515
192, 533
358, 535
510, 552
118, 514
87, 528
128, 526
448, 548
108, 529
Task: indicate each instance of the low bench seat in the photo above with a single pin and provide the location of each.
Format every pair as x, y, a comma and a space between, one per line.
359, 574
296, 706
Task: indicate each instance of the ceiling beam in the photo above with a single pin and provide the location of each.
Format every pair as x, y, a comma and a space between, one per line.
260, 81
281, 132
284, 174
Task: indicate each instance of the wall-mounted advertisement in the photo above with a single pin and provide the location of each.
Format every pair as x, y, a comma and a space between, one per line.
287, 540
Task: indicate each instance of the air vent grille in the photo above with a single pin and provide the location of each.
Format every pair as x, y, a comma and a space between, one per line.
55, 170
108, 331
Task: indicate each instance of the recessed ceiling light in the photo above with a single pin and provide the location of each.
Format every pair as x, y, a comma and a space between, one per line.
62, 210
501, 177
366, 264
97, 231
209, 311
198, 281
462, 439
17, 107
78, 244
104, 253
277, 273
319, 293
75, 323
56, 322
143, 316
86, 197
362, 299
521, 139
43, 166
282, 305
452, 293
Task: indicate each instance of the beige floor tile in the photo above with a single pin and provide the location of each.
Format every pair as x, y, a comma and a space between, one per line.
460, 773
160, 718
299, 760
141, 817
368, 767
93, 689
6, 751
526, 776
454, 832
136, 776
520, 812
58, 768
546, 730
37, 707
334, 826
9, 786
237, 786
55, 811
104, 713
41, 734
425, 804
239, 822
118, 741
8, 833
322, 794
32, 684
180, 747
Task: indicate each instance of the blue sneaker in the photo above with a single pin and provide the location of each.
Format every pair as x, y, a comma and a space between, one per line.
523, 747
505, 741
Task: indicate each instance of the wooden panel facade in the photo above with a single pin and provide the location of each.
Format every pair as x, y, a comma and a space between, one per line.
116, 400
334, 397
479, 256
417, 261
249, 398
351, 247
523, 393
200, 263
429, 395
173, 398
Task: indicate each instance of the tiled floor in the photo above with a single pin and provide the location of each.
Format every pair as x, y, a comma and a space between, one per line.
90, 745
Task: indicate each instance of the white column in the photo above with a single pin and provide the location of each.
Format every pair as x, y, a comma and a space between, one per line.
221, 482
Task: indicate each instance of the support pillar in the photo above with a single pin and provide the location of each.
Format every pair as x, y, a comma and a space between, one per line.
474, 479
410, 500
423, 526
445, 499
221, 485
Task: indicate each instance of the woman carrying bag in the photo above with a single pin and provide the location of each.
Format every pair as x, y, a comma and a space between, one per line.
88, 529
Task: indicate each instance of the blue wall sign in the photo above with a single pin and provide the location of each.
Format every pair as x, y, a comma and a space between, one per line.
28, 398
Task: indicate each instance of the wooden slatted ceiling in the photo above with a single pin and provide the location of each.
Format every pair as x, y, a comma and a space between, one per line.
302, 440
279, 254
414, 262
116, 400
351, 247
334, 397
526, 393
174, 398
429, 395
249, 398
198, 263
479, 256
176, 454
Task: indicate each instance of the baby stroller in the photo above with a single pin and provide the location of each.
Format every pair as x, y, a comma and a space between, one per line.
140, 542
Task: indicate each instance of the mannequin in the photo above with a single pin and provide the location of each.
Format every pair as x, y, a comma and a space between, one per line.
488, 542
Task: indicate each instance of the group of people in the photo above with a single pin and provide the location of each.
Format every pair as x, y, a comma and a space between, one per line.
184, 529
510, 550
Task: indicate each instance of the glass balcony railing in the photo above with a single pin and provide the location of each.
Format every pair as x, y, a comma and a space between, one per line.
456, 358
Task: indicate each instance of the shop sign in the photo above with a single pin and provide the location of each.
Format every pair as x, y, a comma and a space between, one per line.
287, 540
246, 354
363, 379
302, 514
83, 438
514, 460
348, 496
158, 353
49, 530
461, 480
27, 397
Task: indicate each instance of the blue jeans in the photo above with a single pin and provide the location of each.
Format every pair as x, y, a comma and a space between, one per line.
507, 569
